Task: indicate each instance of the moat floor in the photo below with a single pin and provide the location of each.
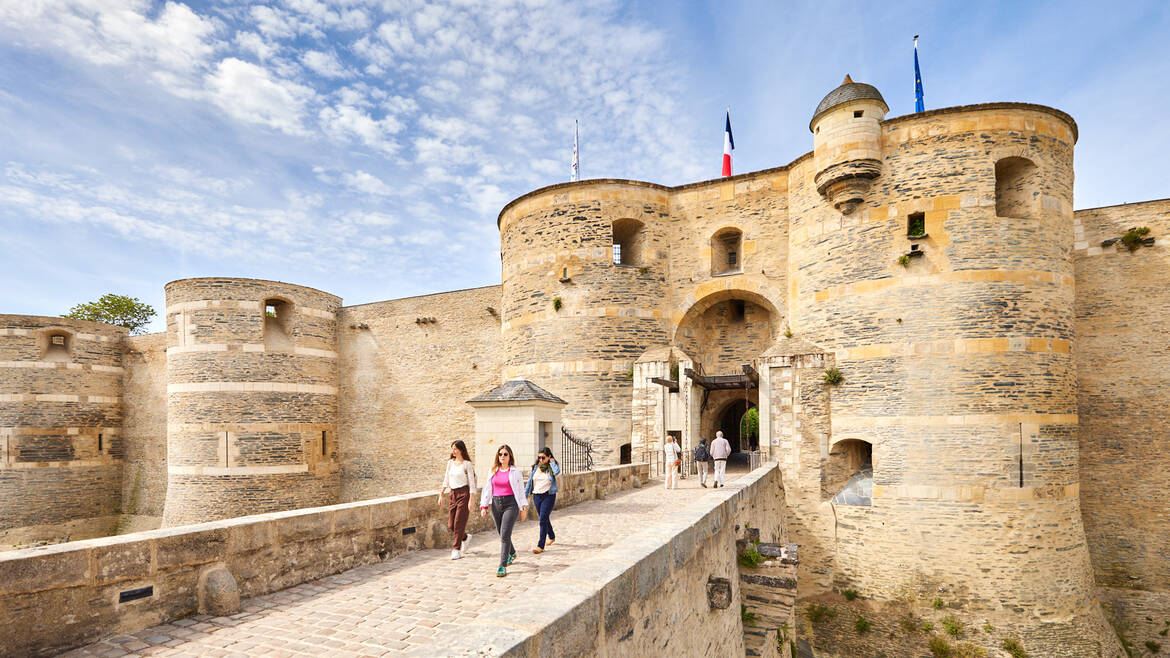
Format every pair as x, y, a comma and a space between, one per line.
399, 605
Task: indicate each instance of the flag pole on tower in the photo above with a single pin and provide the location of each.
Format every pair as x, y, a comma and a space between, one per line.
575, 170
728, 144
919, 105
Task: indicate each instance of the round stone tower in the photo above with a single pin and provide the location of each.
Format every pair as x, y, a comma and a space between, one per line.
947, 300
60, 428
583, 288
251, 398
847, 143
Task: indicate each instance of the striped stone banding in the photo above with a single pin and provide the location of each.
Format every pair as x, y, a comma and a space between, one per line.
248, 347
106, 460
960, 276
251, 387
559, 367
52, 365
976, 493
9, 331
251, 427
956, 346
587, 312
966, 419
54, 397
246, 304
238, 470
34, 431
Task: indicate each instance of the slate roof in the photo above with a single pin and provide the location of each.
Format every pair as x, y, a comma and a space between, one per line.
516, 390
848, 91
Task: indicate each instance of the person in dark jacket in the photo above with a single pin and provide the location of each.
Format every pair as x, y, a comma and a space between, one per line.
701, 457
542, 485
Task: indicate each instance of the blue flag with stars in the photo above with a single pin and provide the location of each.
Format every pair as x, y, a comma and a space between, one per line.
919, 106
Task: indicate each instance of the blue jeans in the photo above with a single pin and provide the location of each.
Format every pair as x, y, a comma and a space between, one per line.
544, 506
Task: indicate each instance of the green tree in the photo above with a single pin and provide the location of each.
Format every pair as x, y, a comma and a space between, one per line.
749, 426
117, 310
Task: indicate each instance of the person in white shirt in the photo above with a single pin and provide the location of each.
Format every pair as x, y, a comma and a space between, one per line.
542, 484
673, 453
459, 481
720, 451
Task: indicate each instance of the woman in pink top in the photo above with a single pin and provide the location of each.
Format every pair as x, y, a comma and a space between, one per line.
504, 493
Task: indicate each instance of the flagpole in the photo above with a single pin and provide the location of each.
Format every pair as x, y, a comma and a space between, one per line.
575, 167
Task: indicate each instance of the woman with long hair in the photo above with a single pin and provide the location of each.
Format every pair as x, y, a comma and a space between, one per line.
459, 480
504, 494
542, 484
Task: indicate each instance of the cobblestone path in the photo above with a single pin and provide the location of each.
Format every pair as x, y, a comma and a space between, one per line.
399, 605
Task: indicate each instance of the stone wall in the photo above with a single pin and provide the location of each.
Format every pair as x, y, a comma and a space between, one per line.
408, 367
144, 432
1123, 372
648, 595
53, 598
61, 447
251, 398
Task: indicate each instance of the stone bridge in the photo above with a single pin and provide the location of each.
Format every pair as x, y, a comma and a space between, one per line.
636, 570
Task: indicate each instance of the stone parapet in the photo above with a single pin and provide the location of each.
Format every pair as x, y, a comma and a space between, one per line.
644, 596
56, 597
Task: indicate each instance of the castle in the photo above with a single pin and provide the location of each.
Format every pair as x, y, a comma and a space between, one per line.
994, 431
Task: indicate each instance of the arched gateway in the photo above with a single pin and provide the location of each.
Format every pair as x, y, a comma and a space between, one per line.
706, 380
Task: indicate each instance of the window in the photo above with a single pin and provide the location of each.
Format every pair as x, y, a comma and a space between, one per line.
278, 325
857, 114
56, 346
737, 309
916, 225
727, 251
1017, 186
628, 242
849, 472
324, 445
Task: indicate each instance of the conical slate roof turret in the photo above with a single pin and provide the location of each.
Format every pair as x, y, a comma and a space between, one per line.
848, 91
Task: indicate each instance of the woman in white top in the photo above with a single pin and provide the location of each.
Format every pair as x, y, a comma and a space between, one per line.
542, 484
504, 494
459, 479
673, 454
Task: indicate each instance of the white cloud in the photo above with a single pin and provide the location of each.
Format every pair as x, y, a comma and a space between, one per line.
344, 122
249, 93
366, 183
255, 44
324, 64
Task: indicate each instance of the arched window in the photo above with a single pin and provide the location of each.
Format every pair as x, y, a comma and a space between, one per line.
629, 237
727, 251
849, 472
57, 345
278, 324
1017, 187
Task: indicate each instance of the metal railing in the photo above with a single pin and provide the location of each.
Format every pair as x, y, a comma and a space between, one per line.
576, 454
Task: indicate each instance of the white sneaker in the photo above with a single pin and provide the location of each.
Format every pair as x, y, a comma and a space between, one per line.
455, 555
467, 542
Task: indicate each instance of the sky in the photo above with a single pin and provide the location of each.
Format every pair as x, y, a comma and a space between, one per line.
366, 147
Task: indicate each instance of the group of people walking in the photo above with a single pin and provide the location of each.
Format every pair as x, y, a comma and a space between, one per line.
717, 454
505, 495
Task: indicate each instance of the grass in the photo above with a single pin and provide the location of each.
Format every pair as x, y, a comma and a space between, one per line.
861, 625
1134, 236
953, 626
904, 260
818, 612
833, 376
747, 617
937, 603
557, 303
1152, 646
940, 648
1013, 646
787, 332
927, 627
987, 628
751, 556
849, 594
909, 624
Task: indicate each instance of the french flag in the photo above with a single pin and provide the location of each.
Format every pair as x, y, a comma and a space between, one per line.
728, 145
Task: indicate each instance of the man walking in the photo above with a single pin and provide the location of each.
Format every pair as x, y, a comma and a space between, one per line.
701, 457
720, 451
